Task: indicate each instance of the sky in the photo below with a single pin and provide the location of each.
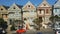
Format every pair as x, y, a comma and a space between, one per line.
23, 2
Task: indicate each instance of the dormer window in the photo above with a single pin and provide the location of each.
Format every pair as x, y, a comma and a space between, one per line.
25, 19
28, 5
44, 4
1, 9
14, 8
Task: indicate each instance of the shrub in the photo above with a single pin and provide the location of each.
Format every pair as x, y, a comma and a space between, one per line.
13, 28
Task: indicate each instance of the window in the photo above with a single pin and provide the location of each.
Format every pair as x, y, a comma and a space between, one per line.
14, 8
40, 11
1, 9
44, 4
47, 11
55, 10
10, 21
59, 23
25, 19
4, 15
28, 5
40, 17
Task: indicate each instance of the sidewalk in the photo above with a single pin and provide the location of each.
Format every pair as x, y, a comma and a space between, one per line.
46, 30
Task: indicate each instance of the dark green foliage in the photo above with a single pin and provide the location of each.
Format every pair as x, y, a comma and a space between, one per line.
51, 18
38, 21
54, 17
12, 28
3, 23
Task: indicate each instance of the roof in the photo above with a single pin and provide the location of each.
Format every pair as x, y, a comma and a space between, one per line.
20, 6
28, 3
6, 7
57, 4
44, 2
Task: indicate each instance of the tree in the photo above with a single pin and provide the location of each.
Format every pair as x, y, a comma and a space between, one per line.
53, 18
38, 21
17, 23
3, 23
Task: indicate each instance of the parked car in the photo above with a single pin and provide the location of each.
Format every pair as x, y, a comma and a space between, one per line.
2, 31
20, 31
57, 32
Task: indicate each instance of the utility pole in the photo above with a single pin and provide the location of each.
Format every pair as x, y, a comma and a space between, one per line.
22, 17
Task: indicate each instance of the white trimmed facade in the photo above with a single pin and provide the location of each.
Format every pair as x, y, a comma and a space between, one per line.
29, 13
56, 10
14, 13
3, 13
44, 11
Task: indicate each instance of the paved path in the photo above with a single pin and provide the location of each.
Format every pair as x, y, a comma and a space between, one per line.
34, 32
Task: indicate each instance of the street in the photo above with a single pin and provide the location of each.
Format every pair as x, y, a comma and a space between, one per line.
34, 32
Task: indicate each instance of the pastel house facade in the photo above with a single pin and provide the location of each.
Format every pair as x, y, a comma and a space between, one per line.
44, 11
29, 13
56, 10
14, 13
4, 12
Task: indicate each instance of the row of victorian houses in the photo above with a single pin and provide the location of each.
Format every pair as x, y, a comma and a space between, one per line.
30, 12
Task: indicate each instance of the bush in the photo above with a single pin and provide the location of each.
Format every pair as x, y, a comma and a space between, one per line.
13, 28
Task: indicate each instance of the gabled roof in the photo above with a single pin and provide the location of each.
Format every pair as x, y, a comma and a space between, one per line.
57, 4
46, 3
4, 7
20, 6
14, 4
28, 3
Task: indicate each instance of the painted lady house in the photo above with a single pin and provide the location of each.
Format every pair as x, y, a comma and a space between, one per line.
44, 12
29, 13
14, 14
4, 12
56, 10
